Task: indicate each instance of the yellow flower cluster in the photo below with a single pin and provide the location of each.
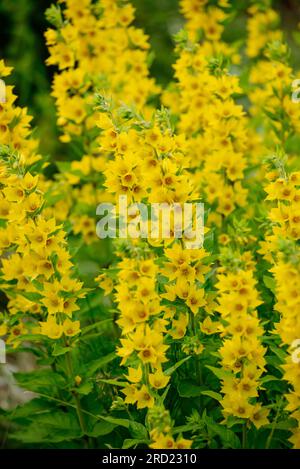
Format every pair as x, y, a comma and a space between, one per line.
147, 166
204, 20
215, 127
86, 44
272, 78
15, 124
287, 278
36, 271
213, 156
241, 353
280, 248
261, 28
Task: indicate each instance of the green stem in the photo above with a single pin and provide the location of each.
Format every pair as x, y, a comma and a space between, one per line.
67, 404
79, 414
197, 362
269, 440
244, 442
75, 395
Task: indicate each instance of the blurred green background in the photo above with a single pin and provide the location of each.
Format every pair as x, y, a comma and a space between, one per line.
22, 45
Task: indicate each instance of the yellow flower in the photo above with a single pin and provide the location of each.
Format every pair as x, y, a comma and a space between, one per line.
78, 380
135, 375
131, 394
71, 328
144, 398
259, 416
195, 300
158, 380
4, 70
105, 283
3, 329
51, 328
53, 303
179, 326
162, 441
209, 327
183, 443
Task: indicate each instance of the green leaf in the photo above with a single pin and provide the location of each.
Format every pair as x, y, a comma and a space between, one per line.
219, 372
101, 428
63, 166
268, 378
182, 429
171, 370
272, 115
227, 437
270, 283
52, 199
113, 382
59, 350
93, 366
51, 427
138, 430
96, 324
279, 352
213, 394
29, 408
187, 388
33, 337
164, 394
118, 422
74, 245
85, 388
232, 420
39, 380
273, 360
32, 296
129, 443
54, 16
287, 424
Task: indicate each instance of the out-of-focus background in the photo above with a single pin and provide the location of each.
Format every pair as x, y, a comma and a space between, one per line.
22, 45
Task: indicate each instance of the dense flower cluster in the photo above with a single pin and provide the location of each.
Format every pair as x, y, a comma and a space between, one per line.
36, 271
215, 127
279, 246
242, 353
87, 42
15, 124
149, 280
